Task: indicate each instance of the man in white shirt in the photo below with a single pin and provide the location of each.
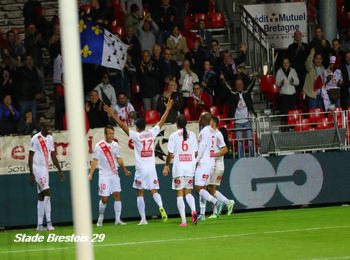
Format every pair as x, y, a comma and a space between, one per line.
106, 91
333, 80
144, 145
106, 154
125, 109
41, 148
183, 148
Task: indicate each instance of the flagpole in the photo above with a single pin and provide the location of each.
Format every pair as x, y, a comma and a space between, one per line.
80, 191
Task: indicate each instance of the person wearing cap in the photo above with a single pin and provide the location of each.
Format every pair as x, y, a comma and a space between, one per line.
333, 81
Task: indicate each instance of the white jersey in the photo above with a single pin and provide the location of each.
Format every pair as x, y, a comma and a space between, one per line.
42, 147
184, 152
144, 147
124, 112
106, 154
220, 143
207, 143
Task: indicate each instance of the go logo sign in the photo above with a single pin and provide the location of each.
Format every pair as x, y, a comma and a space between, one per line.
254, 181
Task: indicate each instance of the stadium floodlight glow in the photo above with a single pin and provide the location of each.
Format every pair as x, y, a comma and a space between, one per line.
74, 106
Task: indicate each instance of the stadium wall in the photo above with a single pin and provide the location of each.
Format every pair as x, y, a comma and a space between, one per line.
254, 183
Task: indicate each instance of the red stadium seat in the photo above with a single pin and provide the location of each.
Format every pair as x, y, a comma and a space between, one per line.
225, 111
135, 89
187, 114
217, 20
152, 117
303, 125
338, 113
86, 8
268, 84
214, 110
188, 23
315, 115
197, 18
323, 123
118, 30
231, 124
294, 116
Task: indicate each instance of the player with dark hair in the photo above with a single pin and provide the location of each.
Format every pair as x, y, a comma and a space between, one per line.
146, 175
182, 147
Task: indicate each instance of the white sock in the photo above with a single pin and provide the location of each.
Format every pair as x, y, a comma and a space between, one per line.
215, 209
202, 205
41, 212
181, 208
206, 195
191, 202
117, 210
141, 207
102, 207
220, 197
47, 203
158, 199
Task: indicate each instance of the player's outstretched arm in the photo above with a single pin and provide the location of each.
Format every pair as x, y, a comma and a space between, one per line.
30, 163
221, 152
166, 168
114, 115
168, 106
57, 164
122, 165
92, 169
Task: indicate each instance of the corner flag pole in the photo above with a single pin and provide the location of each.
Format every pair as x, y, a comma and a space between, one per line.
80, 191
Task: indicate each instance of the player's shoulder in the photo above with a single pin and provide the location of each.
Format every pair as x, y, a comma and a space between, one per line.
115, 144
97, 145
35, 137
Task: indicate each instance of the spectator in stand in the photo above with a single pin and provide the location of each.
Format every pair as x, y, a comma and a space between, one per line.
338, 53
28, 86
181, 7
297, 54
149, 78
133, 18
97, 117
177, 45
333, 81
127, 4
204, 35
209, 79
287, 79
321, 45
196, 56
54, 43
33, 44
198, 102
313, 80
187, 78
346, 41
147, 31
60, 108
165, 16
241, 109
14, 49
157, 54
30, 11
28, 126
345, 89
216, 54
9, 117
106, 91
7, 87
125, 109
134, 49
171, 92
169, 67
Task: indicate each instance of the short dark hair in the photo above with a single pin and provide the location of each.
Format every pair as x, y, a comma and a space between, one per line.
108, 128
122, 93
134, 8
318, 27
336, 40
197, 83
215, 40
215, 119
140, 124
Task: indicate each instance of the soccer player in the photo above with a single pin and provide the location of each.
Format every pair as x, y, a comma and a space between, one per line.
215, 178
146, 175
205, 166
41, 148
106, 154
183, 147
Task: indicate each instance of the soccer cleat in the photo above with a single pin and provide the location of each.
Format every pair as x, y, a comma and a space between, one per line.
120, 223
163, 214
183, 225
194, 218
219, 205
230, 205
41, 228
201, 217
213, 216
50, 226
99, 221
142, 222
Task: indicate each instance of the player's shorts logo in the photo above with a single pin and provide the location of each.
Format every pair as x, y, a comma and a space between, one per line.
190, 181
155, 182
102, 187
298, 178
177, 181
219, 178
137, 182
205, 176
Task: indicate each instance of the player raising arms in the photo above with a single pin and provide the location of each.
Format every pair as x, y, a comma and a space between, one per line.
205, 165
106, 154
146, 175
41, 148
218, 159
183, 147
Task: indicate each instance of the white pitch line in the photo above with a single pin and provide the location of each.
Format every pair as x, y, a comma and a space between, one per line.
182, 239
332, 258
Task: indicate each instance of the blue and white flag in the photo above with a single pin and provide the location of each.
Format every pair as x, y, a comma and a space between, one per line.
99, 46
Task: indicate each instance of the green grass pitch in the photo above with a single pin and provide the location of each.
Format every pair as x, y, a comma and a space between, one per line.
317, 233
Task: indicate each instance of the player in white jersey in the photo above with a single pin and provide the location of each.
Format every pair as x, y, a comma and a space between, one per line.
41, 148
215, 179
205, 164
146, 175
182, 147
107, 156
